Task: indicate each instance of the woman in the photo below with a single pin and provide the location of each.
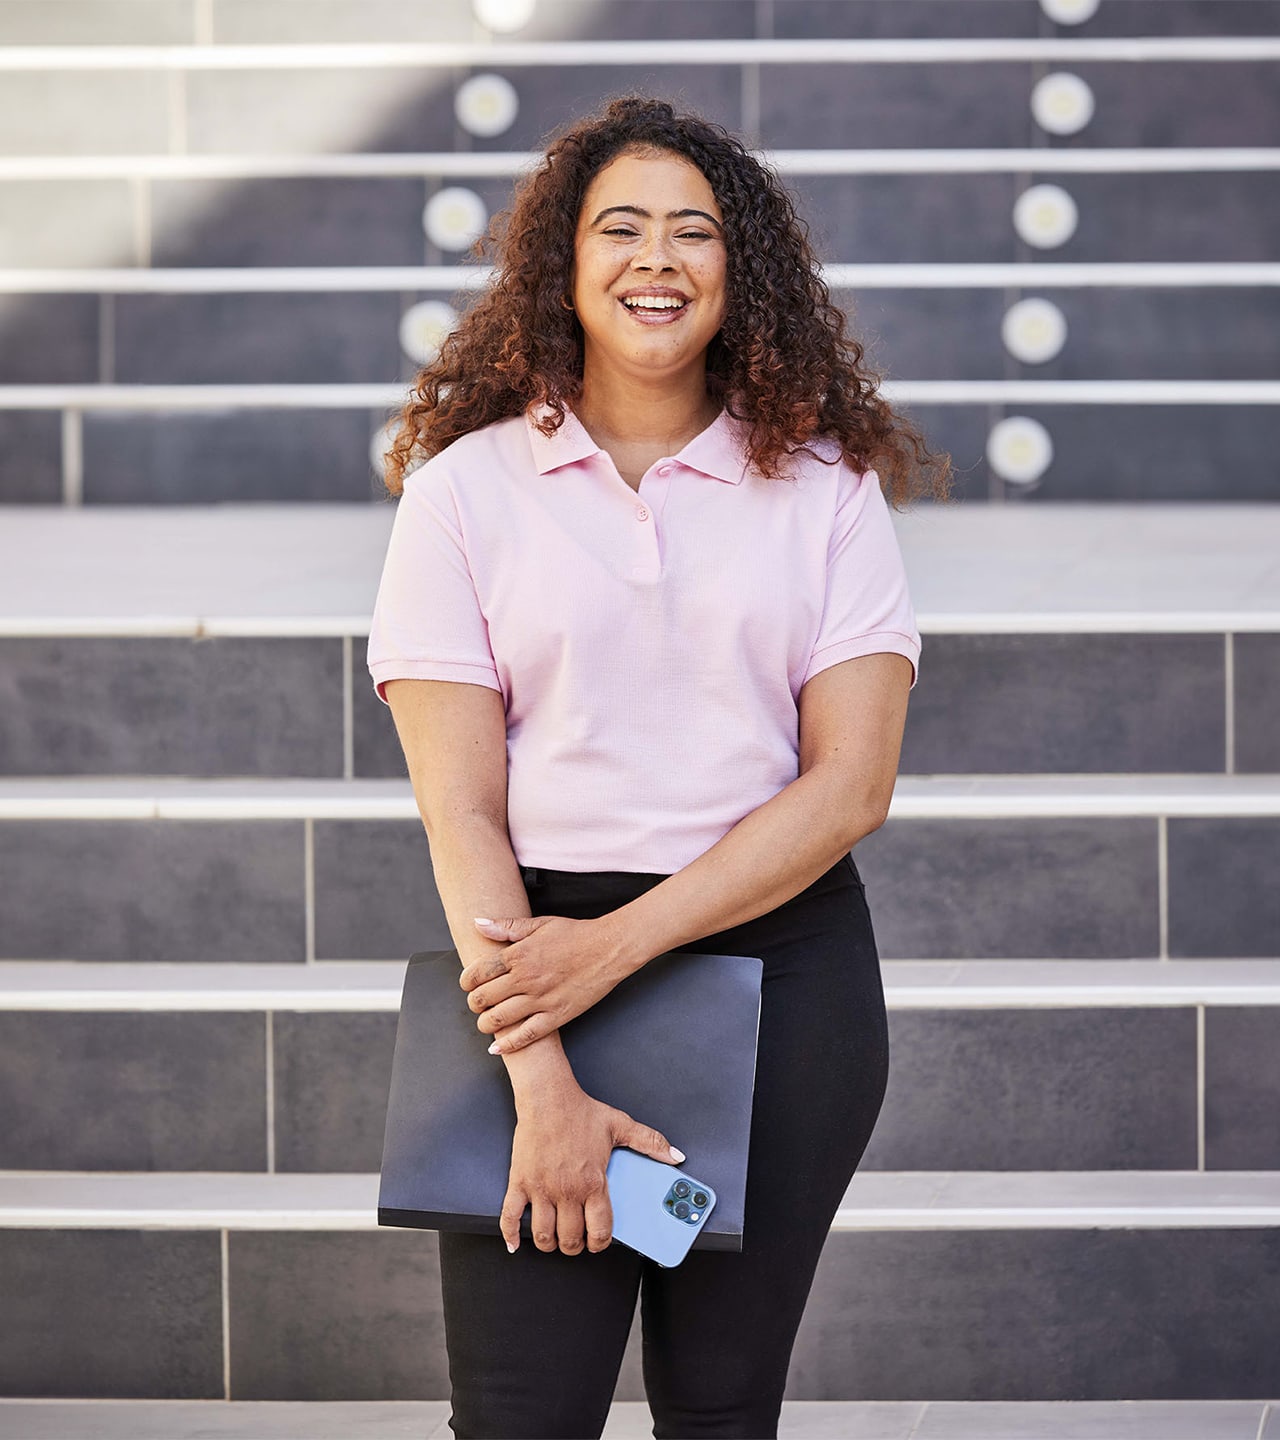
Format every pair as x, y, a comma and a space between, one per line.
645, 635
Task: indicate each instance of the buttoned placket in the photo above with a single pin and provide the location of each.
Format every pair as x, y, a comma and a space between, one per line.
646, 503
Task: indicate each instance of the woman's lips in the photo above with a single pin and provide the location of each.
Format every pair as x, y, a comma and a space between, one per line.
665, 316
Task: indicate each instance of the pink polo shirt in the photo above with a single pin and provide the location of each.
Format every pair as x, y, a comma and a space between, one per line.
650, 645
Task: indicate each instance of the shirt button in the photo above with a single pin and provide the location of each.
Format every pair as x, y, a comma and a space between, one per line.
641, 513
664, 469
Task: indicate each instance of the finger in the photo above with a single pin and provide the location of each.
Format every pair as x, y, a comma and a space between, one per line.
646, 1140
598, 1214
513, 1204
491, 992
570, 1227
534, 1028
479, 972
511, 1011
513, 929
544, 1224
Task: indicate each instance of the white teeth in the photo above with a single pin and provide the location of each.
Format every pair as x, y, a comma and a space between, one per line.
652, 302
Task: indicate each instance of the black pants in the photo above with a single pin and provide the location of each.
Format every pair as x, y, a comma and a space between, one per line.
535, 1339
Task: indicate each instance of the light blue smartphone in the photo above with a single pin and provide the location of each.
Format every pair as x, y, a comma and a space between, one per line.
657, 1209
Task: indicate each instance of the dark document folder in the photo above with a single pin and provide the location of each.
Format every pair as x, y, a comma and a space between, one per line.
674, 1045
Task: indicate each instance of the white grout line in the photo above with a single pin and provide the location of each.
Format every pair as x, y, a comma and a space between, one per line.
1182, 393
271, 1090
1200, 1101
915, 1429
1229, 668
453, 279
176, 100
72, 457
536, 54
507, 164
309, 888
223, 1248
1162, 882
140, 212
1262, 1421
348, 712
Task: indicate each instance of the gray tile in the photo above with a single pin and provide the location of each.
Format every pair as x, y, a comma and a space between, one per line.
332, 1074
1223, 896
110, 1313
904, 19
1091, 1420
1242, 1080
1003, 704
30, 457
971, 889
1049, 1089
961, 432
1156, 452
299, 220
207, 457
97, 22
301, 111
350, 1316
104, 1091
1171, 334
1181, 17
50, 223
1042, 1315
54, 112
1214, 103
1195, 217
881, 219
221, 705
1257, 702
142, 890
896, 106
375, 895
256, 339
931, 334
48, 339
330, 22
552, 97
376, 750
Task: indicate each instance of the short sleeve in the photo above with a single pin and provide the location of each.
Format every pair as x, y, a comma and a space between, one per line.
427, 620
867, 609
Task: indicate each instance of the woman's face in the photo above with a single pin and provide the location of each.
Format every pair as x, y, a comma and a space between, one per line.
649, 267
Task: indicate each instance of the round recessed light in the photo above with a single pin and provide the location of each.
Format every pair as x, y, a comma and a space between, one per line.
1019, 449
380, 444
424, 328
1062, 103
486, 105
454, 218
1045, 216
504, 16
1069, 12
1033, 330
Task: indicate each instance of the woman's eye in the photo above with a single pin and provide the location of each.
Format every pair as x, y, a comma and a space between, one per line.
620, 232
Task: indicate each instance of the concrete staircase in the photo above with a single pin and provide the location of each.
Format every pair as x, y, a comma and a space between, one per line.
1068, 1221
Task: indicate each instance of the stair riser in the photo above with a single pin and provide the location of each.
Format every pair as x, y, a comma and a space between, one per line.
985, 703
990, 1089
941, 1314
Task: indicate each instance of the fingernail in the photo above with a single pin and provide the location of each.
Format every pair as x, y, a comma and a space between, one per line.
677, 1155
496, 1049
511, 1249
481, 920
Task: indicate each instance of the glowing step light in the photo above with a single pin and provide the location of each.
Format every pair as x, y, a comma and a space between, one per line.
1019, 449
504, 17
424, 328
1062, 103
454, 218
1069, 12
1033, 331
486, 105
1045, 216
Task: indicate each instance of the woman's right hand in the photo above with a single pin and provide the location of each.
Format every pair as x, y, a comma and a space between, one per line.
561, 1147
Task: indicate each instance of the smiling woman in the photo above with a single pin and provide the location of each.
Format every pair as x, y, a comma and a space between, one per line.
645, 633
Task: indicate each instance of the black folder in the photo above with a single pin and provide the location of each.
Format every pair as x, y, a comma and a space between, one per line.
674, 1045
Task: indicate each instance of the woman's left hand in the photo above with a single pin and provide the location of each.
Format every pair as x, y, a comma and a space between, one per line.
552, 969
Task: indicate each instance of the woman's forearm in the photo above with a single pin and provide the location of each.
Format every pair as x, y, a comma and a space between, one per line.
476, 873
769, 856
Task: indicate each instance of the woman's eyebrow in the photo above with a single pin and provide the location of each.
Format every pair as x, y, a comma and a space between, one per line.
644, 214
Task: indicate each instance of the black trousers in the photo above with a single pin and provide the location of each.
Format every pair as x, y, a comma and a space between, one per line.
535, 1340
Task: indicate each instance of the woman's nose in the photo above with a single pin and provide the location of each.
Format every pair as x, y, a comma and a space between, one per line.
653, 254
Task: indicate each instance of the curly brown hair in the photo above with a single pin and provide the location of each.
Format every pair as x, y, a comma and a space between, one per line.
781, 360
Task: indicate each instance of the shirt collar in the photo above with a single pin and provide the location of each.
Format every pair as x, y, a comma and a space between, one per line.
718, 451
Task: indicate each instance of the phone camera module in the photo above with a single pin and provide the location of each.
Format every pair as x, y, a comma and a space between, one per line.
700, 1199
682, 1189
682, 1210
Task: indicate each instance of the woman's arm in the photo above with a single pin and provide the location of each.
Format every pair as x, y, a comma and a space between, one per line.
851, 722
455, 744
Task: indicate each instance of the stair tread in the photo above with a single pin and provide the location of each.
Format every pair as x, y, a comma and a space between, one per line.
876, 1200
373, 985
276, 568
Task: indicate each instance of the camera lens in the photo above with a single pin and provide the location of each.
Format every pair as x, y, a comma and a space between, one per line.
682, 1210
700, 1199
682, 1189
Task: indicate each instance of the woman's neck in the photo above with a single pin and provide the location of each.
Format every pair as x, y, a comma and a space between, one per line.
630, 416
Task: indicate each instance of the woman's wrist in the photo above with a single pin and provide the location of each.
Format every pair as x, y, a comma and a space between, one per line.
539, 1070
